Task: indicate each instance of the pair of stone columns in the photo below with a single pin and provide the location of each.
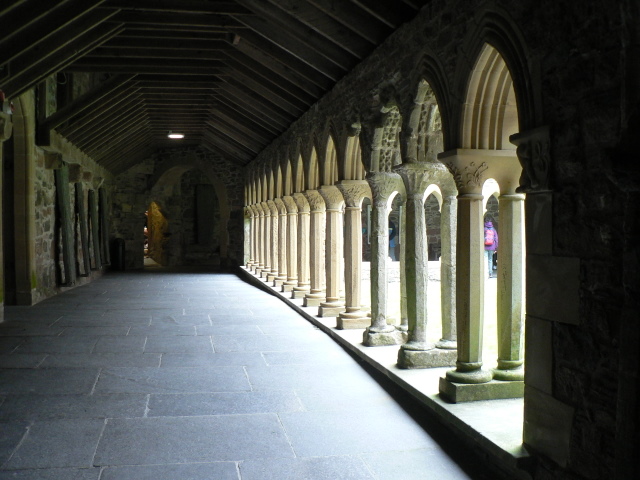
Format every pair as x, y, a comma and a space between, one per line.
415, 351
469, 381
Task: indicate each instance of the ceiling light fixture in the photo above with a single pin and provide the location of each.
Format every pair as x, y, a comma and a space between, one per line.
175, 135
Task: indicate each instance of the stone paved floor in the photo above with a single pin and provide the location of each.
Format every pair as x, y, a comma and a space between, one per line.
194, 376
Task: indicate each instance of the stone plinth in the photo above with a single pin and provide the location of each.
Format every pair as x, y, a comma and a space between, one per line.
493, 390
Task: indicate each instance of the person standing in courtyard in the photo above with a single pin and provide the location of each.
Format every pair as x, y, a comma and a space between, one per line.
490, 245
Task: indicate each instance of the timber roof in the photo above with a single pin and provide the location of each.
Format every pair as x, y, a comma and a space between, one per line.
232, 75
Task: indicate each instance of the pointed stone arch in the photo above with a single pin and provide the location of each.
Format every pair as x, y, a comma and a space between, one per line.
354, 168
313, 170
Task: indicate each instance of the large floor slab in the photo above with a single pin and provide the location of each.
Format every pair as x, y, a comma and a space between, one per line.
196, 375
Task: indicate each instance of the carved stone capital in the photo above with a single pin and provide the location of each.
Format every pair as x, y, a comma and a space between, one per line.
282, 209
383, 184
333, 199
265, 209
301, 203
6, 126
290, 203
415, 177
254, 211
472, 167
354, 191
272, 208
533, 151
316, 202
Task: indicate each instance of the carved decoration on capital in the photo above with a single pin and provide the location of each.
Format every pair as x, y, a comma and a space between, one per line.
272, 208
265, 209
354, 192
316, 202
301, 202
415, 177
533, 151
333, 199
6, 126
383, 184
282, 209
469, 176
290, 203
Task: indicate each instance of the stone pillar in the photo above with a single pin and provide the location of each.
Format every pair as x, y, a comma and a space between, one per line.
300, 290
292, 244
417, 353
94, 222
273, 247
63, 198
353, 192
282, 243
332, 306
266, 241
316, 249
470, 168
255, 237
260, 240
402, 239
382, 185
511, 289
6, 128
252, 230
448, 229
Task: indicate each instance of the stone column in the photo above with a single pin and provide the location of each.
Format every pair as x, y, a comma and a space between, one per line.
5, 133
470, 168
353, 192
300, 290
282, 243
292, 244
255, 237
382, 185
266, 241
332, 306
252, 230
316, 248
448, 229
417, 353
273, 247
510, 288
260, 240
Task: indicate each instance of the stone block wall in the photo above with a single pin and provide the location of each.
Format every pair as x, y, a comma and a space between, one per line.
170, 179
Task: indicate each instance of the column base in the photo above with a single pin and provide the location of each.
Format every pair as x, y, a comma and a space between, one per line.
299, 292
429, 358
447, 344
313, 300
468, 392
270, 278
509, 374
353, 320
278, 281
330, 309
390, 336
288, 286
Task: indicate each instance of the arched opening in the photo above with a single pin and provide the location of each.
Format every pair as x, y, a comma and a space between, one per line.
330, 171
8, 222
156, 235
354, 168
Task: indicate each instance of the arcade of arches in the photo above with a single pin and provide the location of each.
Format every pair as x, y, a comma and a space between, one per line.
369, 212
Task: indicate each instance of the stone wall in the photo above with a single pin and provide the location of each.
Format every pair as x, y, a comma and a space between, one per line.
574, 66
170, 179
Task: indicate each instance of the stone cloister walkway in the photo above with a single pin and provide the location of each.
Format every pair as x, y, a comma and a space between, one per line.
190, 375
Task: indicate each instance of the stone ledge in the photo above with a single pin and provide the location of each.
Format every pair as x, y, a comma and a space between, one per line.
492, 426
493, 390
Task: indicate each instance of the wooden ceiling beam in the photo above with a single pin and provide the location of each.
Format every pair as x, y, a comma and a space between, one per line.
236, 98
216, 149
183, 6
35, 28
248, 121
256, 101
282, 39
247, 66
249, 42
144, 53
160, 68
393, 14
62, 58
222, 136
273, 93
355, 18
222, 146
84, 131
151, 43
133, 17
221, 118
250, 116
128, 100
105, 129
319, 21
115, 141
270, 17
175, 32
121, 161
248, 142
